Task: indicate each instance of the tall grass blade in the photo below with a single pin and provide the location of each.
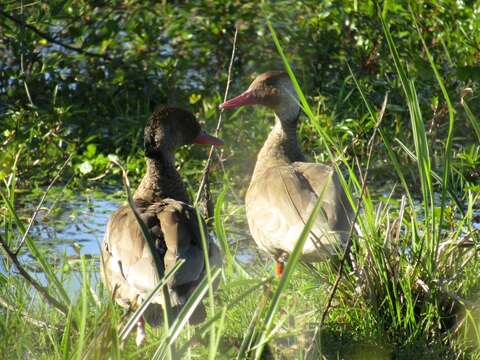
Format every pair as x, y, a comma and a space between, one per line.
182, 318
250, 334
221, 234
435, 176
211, 302
472, 118
65, 343
37, 254
451, 125
390, 151
132, 321
325, 137
475, 326
220, 329
83, 310
421, 146
296, 85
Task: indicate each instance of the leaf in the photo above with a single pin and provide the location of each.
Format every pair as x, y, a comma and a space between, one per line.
85, 167
91, 151
113, 158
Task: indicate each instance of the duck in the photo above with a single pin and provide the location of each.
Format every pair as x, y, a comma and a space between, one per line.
285, 187
128, 268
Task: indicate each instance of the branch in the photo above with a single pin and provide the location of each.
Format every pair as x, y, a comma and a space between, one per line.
42, 290
51, 39
206, 170
35, 213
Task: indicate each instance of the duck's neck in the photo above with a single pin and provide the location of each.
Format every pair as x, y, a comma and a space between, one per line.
281, 146
161, 181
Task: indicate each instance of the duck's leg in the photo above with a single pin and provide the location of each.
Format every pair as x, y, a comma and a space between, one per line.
279, 267
140, 331
280, 264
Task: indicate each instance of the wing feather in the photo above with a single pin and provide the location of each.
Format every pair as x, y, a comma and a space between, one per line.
128, 267
279, 204
336, 205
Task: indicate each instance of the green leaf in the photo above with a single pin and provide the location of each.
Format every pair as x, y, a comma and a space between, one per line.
113, 158
85, 167
91, 151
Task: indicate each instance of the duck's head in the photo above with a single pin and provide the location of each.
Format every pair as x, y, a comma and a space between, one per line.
170, 128
273, 89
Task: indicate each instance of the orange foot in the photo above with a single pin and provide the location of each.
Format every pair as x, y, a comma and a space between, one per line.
279, 267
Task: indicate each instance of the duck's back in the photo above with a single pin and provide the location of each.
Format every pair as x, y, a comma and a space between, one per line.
128, 267
280, 200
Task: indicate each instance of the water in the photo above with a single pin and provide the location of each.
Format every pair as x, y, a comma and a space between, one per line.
72, 225
75, 225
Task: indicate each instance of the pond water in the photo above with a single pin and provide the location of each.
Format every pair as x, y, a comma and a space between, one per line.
72, 225
78, 225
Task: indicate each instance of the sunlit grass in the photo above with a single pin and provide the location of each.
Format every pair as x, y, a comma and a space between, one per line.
408, 289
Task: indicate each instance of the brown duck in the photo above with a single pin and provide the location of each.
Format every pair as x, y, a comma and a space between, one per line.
128, 267
284, 188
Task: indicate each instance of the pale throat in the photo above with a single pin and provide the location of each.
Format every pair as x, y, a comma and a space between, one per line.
281, 146
284, 132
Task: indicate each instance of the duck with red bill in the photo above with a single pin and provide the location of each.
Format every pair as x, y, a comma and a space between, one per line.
206, 139
285, 188
133, 263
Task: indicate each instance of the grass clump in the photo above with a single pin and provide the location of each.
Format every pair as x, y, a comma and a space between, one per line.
409, 286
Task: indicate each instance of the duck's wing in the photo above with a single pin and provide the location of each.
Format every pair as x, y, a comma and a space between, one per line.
128, 267
325, 183
279, 203
183, 239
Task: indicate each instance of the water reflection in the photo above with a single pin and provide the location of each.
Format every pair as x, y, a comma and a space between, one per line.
77, 225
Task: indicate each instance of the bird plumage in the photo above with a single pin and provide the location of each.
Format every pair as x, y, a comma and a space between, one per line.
128, 267
284, 188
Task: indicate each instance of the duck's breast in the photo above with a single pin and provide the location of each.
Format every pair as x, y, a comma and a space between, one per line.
279, 202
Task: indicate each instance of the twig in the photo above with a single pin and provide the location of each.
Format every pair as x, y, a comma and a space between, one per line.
60, 196
42, 200
48, 37
22, 6
22, 72
42, 290
28, 318
219, 123
352, 226
346, 252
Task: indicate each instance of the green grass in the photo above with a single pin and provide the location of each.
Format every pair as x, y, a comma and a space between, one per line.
409, 290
